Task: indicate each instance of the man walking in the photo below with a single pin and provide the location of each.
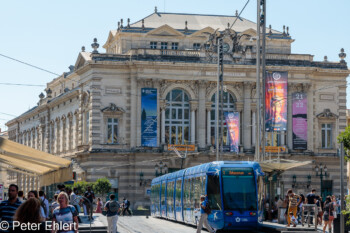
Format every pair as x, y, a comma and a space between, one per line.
44, 203
204, 216
310, 199
75, 199
8, 208
126, 203
89, 194
112, 208
293, 205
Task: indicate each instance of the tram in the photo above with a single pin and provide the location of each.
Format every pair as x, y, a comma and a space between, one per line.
234, 190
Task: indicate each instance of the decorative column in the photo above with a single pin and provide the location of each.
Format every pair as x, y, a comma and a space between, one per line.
96, 118
64, 134
162, 105
254, 128
247, 114
208, 109
70, 132
194, 106
201, 114
133, 114
239, 108
57, 135
291, 89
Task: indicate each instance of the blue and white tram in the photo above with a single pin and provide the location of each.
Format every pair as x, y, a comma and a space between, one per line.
234, 190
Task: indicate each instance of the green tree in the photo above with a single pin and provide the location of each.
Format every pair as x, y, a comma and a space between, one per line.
82, 186
102, 186
345, 138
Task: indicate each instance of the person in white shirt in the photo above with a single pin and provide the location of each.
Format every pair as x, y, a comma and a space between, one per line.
75, 199
46, 203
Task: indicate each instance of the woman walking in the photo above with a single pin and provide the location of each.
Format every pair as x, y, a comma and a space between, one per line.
65, 216
29, 214
328, 216
99, 206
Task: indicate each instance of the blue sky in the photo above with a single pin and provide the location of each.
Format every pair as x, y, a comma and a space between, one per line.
49, 34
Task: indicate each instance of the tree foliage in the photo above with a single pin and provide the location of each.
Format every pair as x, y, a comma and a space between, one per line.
82, 186
345, 138
102, 186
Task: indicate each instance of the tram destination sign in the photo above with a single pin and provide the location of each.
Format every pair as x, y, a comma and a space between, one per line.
227, 171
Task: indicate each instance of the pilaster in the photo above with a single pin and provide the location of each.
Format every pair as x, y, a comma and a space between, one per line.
201, 113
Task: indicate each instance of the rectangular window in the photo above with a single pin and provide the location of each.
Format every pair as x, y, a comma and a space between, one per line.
196, 46
162, 198
153, 45
164, 45
178, 193
174, 45
326, 136
213, 192
112, 130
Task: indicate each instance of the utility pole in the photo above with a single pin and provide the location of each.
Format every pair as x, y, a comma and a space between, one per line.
219, 82
342, 154
263, 61
258, 107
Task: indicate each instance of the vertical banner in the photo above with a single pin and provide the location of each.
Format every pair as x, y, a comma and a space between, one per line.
149, 117
232, 123
299, 121
276, 94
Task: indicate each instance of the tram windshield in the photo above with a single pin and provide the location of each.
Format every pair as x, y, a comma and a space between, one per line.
239, 189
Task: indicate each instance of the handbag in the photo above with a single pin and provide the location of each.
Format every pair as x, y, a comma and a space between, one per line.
331, 217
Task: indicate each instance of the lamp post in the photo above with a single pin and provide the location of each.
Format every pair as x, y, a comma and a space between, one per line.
321, 171
160, 169
141, 178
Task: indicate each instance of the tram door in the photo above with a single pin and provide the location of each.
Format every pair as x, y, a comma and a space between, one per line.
261, 192
216, 219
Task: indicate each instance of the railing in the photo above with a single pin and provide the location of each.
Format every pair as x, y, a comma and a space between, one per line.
165, 52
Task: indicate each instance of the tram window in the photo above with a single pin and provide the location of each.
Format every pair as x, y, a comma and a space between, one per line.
170, 193
187, 191
197, 191
239, 189
162, 199
178, 193
203, 179
213, 192
193, 181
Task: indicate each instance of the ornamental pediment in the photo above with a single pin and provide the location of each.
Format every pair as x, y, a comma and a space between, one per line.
112, 108
327, 114
205, 32
250, 32
165, 30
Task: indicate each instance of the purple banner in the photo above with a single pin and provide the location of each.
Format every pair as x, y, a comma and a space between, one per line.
232, 123
299, 121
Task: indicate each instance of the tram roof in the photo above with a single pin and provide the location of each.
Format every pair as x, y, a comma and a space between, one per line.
211, 167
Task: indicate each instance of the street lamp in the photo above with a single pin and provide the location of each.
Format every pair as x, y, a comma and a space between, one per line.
161, 169
141, 178
321, 171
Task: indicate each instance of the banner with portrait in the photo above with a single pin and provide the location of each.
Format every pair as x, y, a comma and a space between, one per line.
232, 123
299, 121
149, 117
276, 94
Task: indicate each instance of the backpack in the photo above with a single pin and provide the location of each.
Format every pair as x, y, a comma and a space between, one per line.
127, 203
42, 203
207, 209
113, 206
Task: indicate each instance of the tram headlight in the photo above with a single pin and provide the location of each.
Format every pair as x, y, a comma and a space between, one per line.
229, 213
252, 213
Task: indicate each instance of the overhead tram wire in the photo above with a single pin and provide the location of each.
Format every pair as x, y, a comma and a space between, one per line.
25, 63
239, 15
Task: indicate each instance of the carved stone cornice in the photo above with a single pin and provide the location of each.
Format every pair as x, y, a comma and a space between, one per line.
249, 84
162, 104
193, 105
208, 106
112, 108
203, 83
239, 106
327, 114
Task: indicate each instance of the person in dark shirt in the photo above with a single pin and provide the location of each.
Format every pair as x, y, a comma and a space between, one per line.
310, 199
89, 194
9, 207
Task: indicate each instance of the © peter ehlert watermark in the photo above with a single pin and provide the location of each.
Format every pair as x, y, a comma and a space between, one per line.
4, 226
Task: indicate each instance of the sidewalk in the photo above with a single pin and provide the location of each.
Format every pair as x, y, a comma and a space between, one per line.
277, 227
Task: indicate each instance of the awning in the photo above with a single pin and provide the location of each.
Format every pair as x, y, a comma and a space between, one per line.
281, 164
23, 159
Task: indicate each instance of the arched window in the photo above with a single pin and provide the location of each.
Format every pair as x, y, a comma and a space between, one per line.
229, 106
177, 118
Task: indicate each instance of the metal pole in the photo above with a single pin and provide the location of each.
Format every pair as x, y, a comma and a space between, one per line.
342, 154
258, 107
222, 102
217, 103
263, 63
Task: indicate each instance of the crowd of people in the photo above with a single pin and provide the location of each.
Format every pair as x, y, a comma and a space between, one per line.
298, 210
31, 212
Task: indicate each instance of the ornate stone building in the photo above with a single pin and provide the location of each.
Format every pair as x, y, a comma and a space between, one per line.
92, 113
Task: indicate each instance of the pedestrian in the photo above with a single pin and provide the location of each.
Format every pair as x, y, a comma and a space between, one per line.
34, 194
293, 204
64, 216
310, 200
293, 220
320, 209
89, 194
205, 211
44, 203
9, 207
29, 214
99, 206
112, 207
126, 203
20, 196
61, 188
54, 204
328, 216
75, 199
300, 207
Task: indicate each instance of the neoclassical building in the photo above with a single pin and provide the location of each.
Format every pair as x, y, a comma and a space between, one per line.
94, 115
